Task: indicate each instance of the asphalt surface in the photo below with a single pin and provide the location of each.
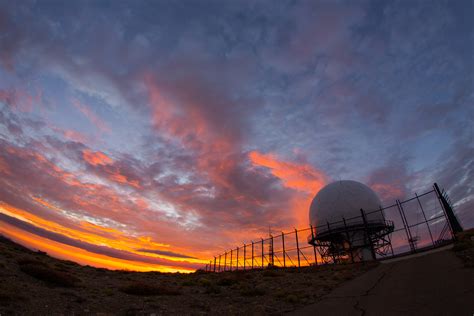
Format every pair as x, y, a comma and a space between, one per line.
432, 284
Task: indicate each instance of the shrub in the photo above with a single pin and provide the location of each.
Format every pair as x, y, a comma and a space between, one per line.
271, 273
249, 290
291, 298
204, 282
188, 283
463, 245
145, 289
226, 281
27, 260
213, 289
49, 275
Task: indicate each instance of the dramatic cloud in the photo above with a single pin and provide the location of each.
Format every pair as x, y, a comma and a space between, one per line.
155, 136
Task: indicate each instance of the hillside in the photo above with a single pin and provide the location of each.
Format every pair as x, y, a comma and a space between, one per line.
35, 283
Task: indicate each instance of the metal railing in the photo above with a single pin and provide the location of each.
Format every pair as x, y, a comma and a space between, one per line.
412, 223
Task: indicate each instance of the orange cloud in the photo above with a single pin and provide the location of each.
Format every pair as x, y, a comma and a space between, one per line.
62, 251
96, 158
120, 178
45, 203
302, 178
96, 235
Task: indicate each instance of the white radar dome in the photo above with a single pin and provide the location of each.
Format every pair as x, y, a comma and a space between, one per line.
344, 199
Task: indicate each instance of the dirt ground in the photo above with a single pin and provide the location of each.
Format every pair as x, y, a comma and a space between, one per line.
34, 283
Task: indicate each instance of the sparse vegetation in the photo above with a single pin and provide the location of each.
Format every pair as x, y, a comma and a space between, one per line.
271, 273
226, 281
49, 275
146, 289
251, 290
54, 288
464, 247
28, 260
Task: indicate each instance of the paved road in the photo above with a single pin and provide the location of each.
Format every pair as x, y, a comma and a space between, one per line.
432, 284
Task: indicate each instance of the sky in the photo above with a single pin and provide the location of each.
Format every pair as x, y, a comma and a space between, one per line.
155, 134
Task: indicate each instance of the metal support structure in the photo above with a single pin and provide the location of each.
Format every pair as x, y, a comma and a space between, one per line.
314, 246
271, 251
351, 251
426, 221
334, 261
252, 254
388, 236
454, 224
283, 244
245, 255
237, 265
404, 225
342, 241
297, 247
369, 238
411, 241
225, 261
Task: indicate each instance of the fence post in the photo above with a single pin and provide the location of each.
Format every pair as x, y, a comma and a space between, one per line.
314, 246
225, 261
284, 253
271, 251
351, 251
297, 247
215, 264
426, 221
220, 263
237, 265
245, 255
453, 223
404, 225
252, 254
231, 259
407, 227
263, 249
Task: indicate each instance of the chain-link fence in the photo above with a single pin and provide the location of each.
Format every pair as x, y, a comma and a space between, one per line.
409, 226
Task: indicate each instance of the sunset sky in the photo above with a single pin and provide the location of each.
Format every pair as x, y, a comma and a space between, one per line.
154, 134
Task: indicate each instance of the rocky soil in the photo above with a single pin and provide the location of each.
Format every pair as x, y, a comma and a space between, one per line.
34, 283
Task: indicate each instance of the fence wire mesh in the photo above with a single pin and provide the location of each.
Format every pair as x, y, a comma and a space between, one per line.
416, 224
